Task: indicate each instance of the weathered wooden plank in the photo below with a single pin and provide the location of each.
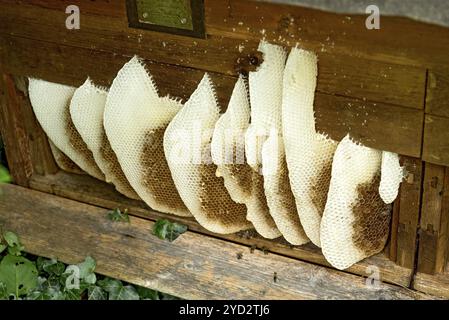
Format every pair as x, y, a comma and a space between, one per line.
71, 66
380, 126
192, 267
13, 131
88, 190
339, 74
41, 155
436, 140
369, 80
100, 8
409, 203
437, 284
27, 141
392, 244
437, 97
434, 223
399, 40
402, 40
376, 125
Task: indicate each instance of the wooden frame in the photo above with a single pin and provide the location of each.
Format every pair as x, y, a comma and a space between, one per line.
395, 105
195, 266
91, 191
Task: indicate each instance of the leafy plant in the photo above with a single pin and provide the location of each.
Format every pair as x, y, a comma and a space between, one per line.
148, 294
96, 293
87, 268
118, 291
117, 215
38, 278
4, 175
167, 230
18, 274
50, 266
13, 243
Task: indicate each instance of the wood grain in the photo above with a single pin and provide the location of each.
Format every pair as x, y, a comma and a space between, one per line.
71, 66
434, 222
399, 40
437, 285
27, 143
437, 97
89, 190
41, 155
381, 126
13, 132
192, 267
436, 140
409, 203
392, 243
376, 125
358, 77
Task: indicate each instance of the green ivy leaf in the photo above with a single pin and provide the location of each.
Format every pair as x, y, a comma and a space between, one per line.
109, 284
2, 247
56, 268
11, 238
3, 291
90, 279
124, 293
18, 274
87, 269
117, 291
63, 278
41, 283
37, 295
54, 293
72, 271
15, 248
50, 266
53, 281
167, 230
50, 293
147, 294
96, 293
72, 294
4, 175
40, 264
117, 215
15, 251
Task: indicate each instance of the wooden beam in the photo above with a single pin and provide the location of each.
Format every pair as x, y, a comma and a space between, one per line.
28, 144
409, 203
193, 266
434, 223
72, 65
436, 140
437, 97
402, 40
378, 125
392, 243
399, 40
437, 285
14, 135
89, 190
342, 74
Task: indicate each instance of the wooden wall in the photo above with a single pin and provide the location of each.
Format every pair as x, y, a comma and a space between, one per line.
372, 83
389, 88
